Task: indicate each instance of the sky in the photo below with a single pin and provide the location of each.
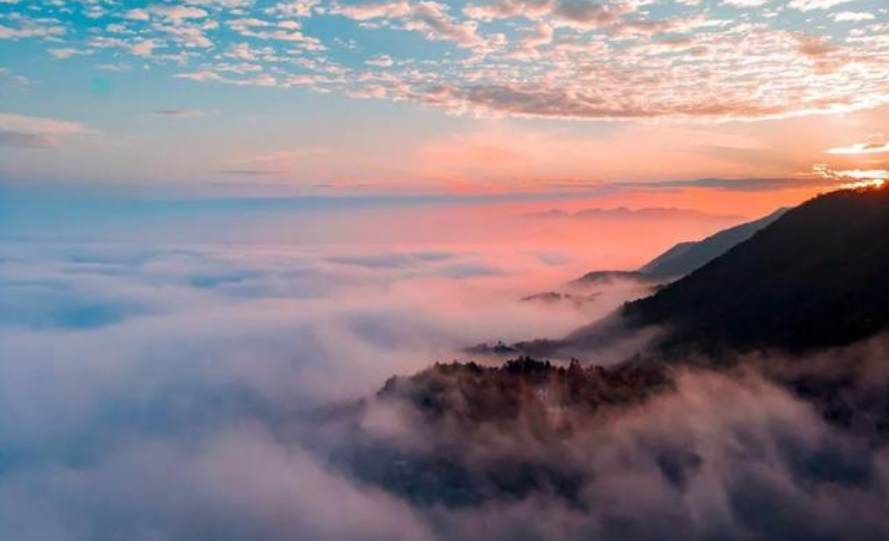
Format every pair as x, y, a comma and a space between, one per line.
402, 98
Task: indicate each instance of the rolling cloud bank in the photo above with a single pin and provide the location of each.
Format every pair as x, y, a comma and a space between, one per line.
190, 392
137, 381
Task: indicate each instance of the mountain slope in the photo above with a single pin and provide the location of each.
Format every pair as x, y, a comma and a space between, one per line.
689, 256
685, 257
816, 277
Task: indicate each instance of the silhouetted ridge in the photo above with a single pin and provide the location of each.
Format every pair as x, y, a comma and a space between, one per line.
816, 277
685, 257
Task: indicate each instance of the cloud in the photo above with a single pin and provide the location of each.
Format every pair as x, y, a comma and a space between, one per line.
65, 53
174, 391
28, 28
382, 61
852, 16
373, 10
179, 113
137, 14
228, 4
240, 483
429, 18
853, 178
175, 14
390, 260
582, 14
144, 48
809, 5
816, 46
8, 77
706, 459
269, 163
875, 145
21, 131
297, 8
167, 340
746, 3
529, 100
200, 76
179, 13
528, 46
287, 31
481, 60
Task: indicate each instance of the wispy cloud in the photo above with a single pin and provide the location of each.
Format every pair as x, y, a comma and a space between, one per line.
21, 131
809, 5
278, 156
877, 144
10, 78
179, 113
66, 52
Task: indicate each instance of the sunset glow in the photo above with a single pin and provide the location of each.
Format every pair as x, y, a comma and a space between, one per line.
314, 97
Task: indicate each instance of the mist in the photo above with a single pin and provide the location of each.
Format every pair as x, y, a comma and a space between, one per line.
162, 391
149, 391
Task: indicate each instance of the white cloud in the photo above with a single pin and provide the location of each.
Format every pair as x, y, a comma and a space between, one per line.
229, 4
809, 5
144, 48
179, 13
65, 53
36, 132
241, 51
200, 76
7, 76
30, 30
852, 16
875, 146
138, 14
382, 61
297, 8
746, 3
174, 391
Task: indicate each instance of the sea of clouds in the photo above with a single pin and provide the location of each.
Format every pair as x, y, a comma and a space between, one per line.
144, 387
157, 391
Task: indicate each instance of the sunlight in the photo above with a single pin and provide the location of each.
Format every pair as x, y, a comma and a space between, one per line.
853, 179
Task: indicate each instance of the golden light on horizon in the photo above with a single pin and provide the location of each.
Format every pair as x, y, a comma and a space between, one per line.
876, 144
867, 183
853, 178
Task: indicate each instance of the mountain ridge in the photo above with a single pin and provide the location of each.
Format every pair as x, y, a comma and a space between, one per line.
816, 277
687, 256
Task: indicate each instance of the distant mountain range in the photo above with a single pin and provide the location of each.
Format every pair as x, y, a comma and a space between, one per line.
686, 257
624, 213
807, 278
